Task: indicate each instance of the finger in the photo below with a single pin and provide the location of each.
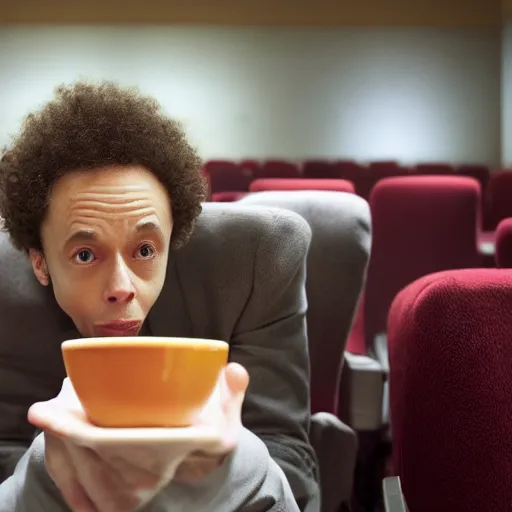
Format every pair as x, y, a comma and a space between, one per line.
104, 486
65, 407
237, 379
54, 416
61, 471
132, 474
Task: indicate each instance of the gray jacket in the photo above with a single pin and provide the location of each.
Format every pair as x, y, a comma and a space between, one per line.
240, 279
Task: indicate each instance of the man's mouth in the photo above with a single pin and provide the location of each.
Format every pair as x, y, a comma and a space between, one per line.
118, 328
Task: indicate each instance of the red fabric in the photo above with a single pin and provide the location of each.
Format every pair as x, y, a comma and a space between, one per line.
503, 243
481, 173
359, 175
250, 166
301, 184
421, 224
319, 169
499, 197
227, 197
356, 340
450, 353
277, 169
434, 168
226, 176
385, 169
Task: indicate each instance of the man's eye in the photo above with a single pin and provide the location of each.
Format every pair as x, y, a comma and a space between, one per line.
145, 252
84, 256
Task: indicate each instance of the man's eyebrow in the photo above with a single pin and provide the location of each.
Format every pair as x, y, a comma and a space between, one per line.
147, 226
89, 235
82, 235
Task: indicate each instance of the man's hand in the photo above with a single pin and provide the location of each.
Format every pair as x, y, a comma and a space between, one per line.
121, 478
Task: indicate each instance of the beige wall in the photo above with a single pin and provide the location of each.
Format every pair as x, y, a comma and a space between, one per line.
410, 94
439, 13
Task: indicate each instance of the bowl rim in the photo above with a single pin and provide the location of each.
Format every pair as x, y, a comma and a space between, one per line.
144, 341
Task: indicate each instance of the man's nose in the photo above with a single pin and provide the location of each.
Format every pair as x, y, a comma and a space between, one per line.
120, 288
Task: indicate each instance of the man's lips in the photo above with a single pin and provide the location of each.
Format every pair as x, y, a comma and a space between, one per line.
119, 328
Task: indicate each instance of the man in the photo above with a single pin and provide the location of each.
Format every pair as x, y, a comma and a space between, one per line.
104, 193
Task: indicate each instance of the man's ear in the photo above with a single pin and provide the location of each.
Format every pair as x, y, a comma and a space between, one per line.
39, 266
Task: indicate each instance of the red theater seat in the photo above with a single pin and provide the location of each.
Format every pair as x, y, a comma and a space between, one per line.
227, 176
318, 169
421, 224
450, 391
504, 243
387, 169
359, 175
481, 173
301, 184
499, 198
434, 168
227, 197
277, 169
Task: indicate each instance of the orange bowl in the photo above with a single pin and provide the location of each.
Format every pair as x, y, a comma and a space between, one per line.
144, 381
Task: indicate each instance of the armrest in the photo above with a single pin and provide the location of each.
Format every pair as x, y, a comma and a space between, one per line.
393, 497
335, 445
361, 392
10, 453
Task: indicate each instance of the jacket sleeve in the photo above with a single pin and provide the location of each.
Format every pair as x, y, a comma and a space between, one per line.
273, 468
30, 488
271, 343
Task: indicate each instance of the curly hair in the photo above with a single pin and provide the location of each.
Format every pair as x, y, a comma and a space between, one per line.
88, 126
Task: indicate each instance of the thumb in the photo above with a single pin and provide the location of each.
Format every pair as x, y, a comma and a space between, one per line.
237, 380
64, 409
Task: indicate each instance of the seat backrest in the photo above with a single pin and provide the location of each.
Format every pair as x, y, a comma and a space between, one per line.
277, 169
449, 340
481, 173
421, 224
498, 197
387, 169
227, 176
434, 168
301, 184
318, 169
336, 268
503, 243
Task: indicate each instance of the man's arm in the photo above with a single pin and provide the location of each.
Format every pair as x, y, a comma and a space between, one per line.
271, 343
274, 467
30, 488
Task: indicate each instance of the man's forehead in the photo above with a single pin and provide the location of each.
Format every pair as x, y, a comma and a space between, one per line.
106, 182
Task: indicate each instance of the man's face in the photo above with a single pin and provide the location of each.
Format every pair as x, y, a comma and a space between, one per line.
105, 243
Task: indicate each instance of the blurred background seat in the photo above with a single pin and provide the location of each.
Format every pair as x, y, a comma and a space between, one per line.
336, 269
450, 384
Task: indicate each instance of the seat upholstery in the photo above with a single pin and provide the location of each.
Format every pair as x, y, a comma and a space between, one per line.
277, 169
481, 173
269, 184
497, 201
227, 197
421, 224
336, 267
503, 243
227, 176
450, 387
434, 168
318, 169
